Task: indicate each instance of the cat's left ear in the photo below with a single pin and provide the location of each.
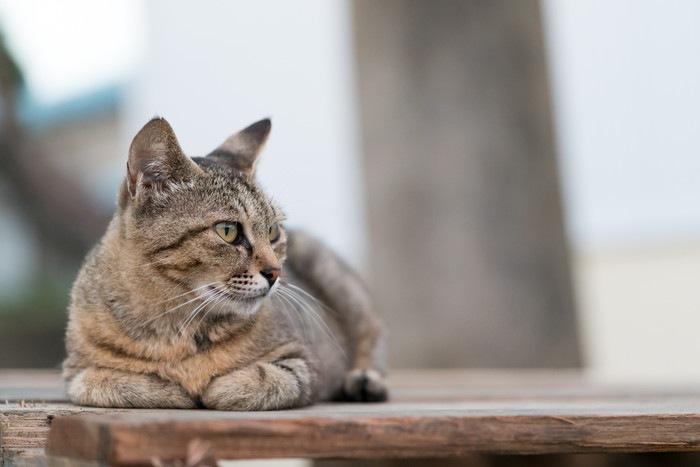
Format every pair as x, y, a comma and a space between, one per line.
241, 150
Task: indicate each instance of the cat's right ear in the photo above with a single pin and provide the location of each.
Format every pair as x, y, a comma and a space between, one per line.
156, 159
241, 150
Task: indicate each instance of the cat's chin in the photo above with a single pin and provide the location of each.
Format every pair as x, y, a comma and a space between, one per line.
239, 306
247, 308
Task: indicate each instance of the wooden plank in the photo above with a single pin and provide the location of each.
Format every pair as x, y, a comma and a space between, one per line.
24, 427
432, 413
415, 431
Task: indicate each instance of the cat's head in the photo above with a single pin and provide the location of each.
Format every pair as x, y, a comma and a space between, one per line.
203, 224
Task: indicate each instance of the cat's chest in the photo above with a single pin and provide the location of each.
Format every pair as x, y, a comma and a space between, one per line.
207, 359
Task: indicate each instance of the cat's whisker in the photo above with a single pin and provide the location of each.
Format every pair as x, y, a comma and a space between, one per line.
193, 314
295, 318
219, 299
170, 310
185, 293
314, 299
220, 302
214, 297
204, 316
180, 284
313, 314
208, 296
310, 313
308, 327
295, 291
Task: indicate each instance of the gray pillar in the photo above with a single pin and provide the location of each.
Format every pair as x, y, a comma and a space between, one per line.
469, 261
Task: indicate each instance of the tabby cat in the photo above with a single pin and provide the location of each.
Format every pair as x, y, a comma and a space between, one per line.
185, 302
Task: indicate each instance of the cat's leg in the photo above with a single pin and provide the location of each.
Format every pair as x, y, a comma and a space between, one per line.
365, 382
364, 385
281, 384
102, 387
343, 291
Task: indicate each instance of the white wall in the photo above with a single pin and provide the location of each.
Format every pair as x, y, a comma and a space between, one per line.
627, 101
213, 67
69, 48
627, 104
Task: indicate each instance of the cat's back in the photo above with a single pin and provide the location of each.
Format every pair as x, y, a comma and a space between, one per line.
336, 304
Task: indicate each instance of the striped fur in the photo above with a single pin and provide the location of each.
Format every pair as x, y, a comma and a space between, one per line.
165, 313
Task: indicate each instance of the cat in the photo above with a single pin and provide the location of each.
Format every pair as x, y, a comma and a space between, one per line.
187, 300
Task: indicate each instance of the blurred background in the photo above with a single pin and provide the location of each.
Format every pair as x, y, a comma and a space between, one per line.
517, 180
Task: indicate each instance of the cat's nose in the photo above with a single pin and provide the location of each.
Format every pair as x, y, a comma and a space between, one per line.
271, 274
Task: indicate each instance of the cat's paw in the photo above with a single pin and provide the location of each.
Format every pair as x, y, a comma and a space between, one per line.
362, 385
103, 387
283, 384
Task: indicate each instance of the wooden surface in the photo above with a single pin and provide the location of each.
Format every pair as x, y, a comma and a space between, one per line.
432, 413
29, 401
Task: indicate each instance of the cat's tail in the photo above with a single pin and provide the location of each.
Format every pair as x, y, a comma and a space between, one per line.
335, 284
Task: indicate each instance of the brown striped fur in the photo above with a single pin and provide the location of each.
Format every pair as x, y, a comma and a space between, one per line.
165, 313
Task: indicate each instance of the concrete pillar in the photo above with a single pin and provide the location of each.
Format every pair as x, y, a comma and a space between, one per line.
468, 259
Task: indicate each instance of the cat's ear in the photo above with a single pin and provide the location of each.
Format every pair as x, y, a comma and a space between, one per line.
156, 159
241, 150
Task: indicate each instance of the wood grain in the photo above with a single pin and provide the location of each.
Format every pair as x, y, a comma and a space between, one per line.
431, 414
416, 433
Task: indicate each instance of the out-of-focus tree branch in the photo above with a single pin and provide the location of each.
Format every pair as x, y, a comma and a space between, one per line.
64, 219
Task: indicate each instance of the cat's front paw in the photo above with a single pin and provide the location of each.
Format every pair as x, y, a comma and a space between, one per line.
362, 385
103, 387
275, 385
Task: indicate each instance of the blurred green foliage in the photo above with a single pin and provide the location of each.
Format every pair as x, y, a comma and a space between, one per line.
32, 325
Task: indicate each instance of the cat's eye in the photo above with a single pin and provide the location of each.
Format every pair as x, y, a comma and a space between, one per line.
227, 230
274, 233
